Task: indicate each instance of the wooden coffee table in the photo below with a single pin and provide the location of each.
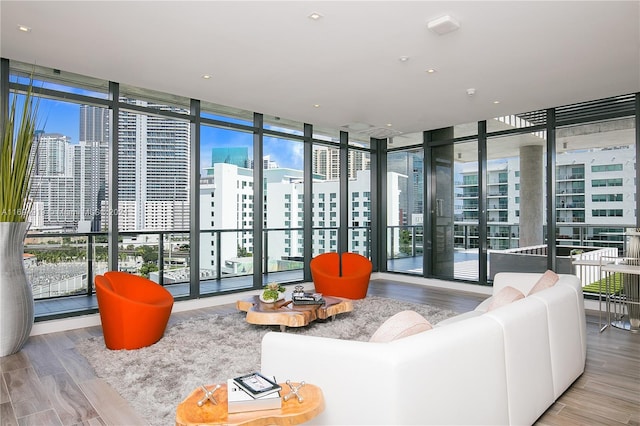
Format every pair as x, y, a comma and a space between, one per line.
286, 314
292, 412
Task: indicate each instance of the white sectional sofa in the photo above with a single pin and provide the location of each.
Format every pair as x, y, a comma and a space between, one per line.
506, 366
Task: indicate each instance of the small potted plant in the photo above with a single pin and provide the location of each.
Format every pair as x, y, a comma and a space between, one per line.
272, 293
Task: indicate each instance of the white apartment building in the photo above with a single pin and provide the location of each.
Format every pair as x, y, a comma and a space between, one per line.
226, 202
593, 187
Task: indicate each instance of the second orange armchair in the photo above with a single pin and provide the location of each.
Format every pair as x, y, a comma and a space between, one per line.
350, 280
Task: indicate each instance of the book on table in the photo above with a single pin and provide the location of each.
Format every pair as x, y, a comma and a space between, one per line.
257, 385
240, 401
308, 299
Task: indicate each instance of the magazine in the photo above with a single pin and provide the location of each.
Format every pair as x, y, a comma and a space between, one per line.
257, 385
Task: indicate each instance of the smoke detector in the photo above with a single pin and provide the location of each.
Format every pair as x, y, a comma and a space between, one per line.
443, 25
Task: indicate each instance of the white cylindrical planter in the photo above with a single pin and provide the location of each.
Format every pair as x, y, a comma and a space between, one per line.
16, 298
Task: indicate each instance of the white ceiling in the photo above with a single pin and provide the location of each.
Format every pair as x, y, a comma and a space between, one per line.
270, 57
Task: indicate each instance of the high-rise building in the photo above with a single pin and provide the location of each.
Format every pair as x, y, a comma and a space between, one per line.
90, 167
153, 170
326, 162
94, 124
52, 186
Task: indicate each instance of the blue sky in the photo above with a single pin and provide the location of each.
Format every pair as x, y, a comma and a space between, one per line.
64, 118
60, 117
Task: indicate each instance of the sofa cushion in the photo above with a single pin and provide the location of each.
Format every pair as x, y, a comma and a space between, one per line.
400, 325
548, 279
505, 296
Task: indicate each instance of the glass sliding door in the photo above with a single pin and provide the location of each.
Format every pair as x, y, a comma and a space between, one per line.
454, 215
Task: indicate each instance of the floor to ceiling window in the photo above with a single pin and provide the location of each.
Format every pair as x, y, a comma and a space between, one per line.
516, 202
226, 205
153, 185
359, 186
596, 191
405, 210
593, 200
284, 209
465, 211
326, 198
68, 187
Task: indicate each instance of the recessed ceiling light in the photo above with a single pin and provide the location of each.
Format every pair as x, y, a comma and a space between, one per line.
24, 28
389, 124
496, 102
316, 105
206, 76
431, 70
403, 58
315, 16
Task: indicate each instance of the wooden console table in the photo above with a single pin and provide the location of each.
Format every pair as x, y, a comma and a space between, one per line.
292, 412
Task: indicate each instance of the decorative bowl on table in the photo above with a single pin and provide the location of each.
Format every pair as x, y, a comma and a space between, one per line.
272, 293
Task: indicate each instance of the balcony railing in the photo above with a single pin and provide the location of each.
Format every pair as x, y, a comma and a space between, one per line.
65, 264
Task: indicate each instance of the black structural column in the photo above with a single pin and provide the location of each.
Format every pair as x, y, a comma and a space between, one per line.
343, 229
482, 202
551, 189
378, 220
112, 238
4, 91
194, 201
307, 232
258, 199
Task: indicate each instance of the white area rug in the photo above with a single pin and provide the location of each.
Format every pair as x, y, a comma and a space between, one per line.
157, 378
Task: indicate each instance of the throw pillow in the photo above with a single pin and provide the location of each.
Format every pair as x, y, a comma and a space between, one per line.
505, 296
548, 279
400, 325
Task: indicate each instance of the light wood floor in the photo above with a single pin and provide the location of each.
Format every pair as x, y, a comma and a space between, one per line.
49, 383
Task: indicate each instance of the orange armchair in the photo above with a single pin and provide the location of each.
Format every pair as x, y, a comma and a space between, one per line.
134, 311
353, 283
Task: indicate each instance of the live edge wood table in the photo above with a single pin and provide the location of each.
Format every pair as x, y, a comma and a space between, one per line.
292, 412
286, 314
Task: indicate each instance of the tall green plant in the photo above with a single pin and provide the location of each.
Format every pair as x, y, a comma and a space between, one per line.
16, 161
